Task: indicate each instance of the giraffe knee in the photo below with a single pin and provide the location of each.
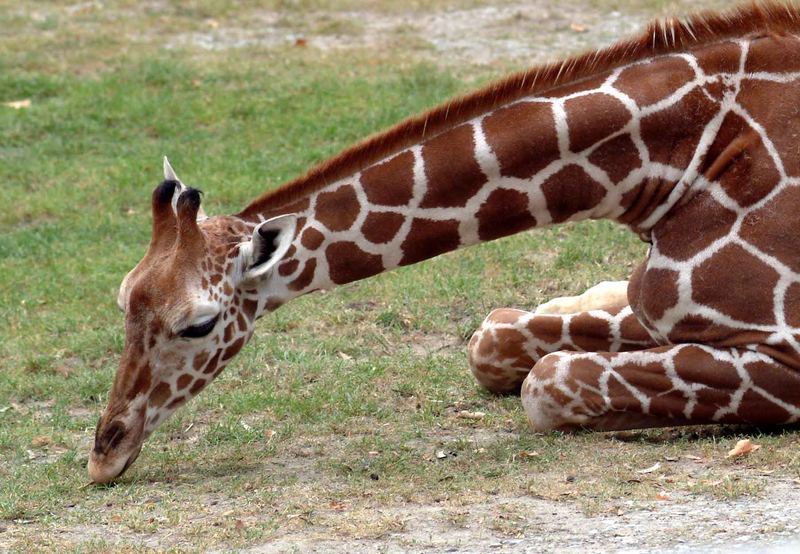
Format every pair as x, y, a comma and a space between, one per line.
547, 399
496, 352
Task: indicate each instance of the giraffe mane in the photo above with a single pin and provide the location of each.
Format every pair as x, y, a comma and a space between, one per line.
662, 36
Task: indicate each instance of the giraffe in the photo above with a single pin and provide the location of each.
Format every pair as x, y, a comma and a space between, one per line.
685, 134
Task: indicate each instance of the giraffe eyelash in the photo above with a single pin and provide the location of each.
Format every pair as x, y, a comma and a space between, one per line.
201, 330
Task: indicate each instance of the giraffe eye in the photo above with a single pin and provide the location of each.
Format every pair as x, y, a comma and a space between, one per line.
200, 330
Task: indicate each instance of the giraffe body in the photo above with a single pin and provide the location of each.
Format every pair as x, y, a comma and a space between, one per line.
685, 135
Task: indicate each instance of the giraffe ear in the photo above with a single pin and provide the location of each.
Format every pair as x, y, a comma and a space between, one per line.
169, 173
269, 244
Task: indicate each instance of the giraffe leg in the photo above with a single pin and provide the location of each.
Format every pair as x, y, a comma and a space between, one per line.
608, 295
509, 342
663, 386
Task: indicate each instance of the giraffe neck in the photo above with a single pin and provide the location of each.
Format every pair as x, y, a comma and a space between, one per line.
626, 144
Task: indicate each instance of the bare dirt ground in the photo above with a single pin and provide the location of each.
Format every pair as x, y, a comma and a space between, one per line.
526, 33
699, 525
523, 33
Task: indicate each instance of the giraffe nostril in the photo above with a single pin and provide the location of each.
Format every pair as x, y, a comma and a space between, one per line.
110, 438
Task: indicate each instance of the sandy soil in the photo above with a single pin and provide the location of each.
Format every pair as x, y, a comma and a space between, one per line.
678, 525
526, 33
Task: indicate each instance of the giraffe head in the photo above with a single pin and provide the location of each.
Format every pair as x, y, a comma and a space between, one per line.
190, 305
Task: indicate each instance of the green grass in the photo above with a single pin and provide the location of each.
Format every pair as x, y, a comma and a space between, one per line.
336, 389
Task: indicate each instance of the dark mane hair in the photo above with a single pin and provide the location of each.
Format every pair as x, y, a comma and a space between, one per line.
660, 37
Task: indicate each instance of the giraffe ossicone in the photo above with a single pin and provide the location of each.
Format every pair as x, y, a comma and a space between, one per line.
685, 134
169, 175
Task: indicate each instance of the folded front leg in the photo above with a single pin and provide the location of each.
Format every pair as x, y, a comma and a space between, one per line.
664, 386
509, 342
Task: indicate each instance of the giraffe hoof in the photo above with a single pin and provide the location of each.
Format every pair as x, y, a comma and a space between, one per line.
496, 353
603, 296
543, 408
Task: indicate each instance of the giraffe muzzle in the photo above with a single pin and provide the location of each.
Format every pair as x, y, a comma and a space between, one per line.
106, 470
116, 447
